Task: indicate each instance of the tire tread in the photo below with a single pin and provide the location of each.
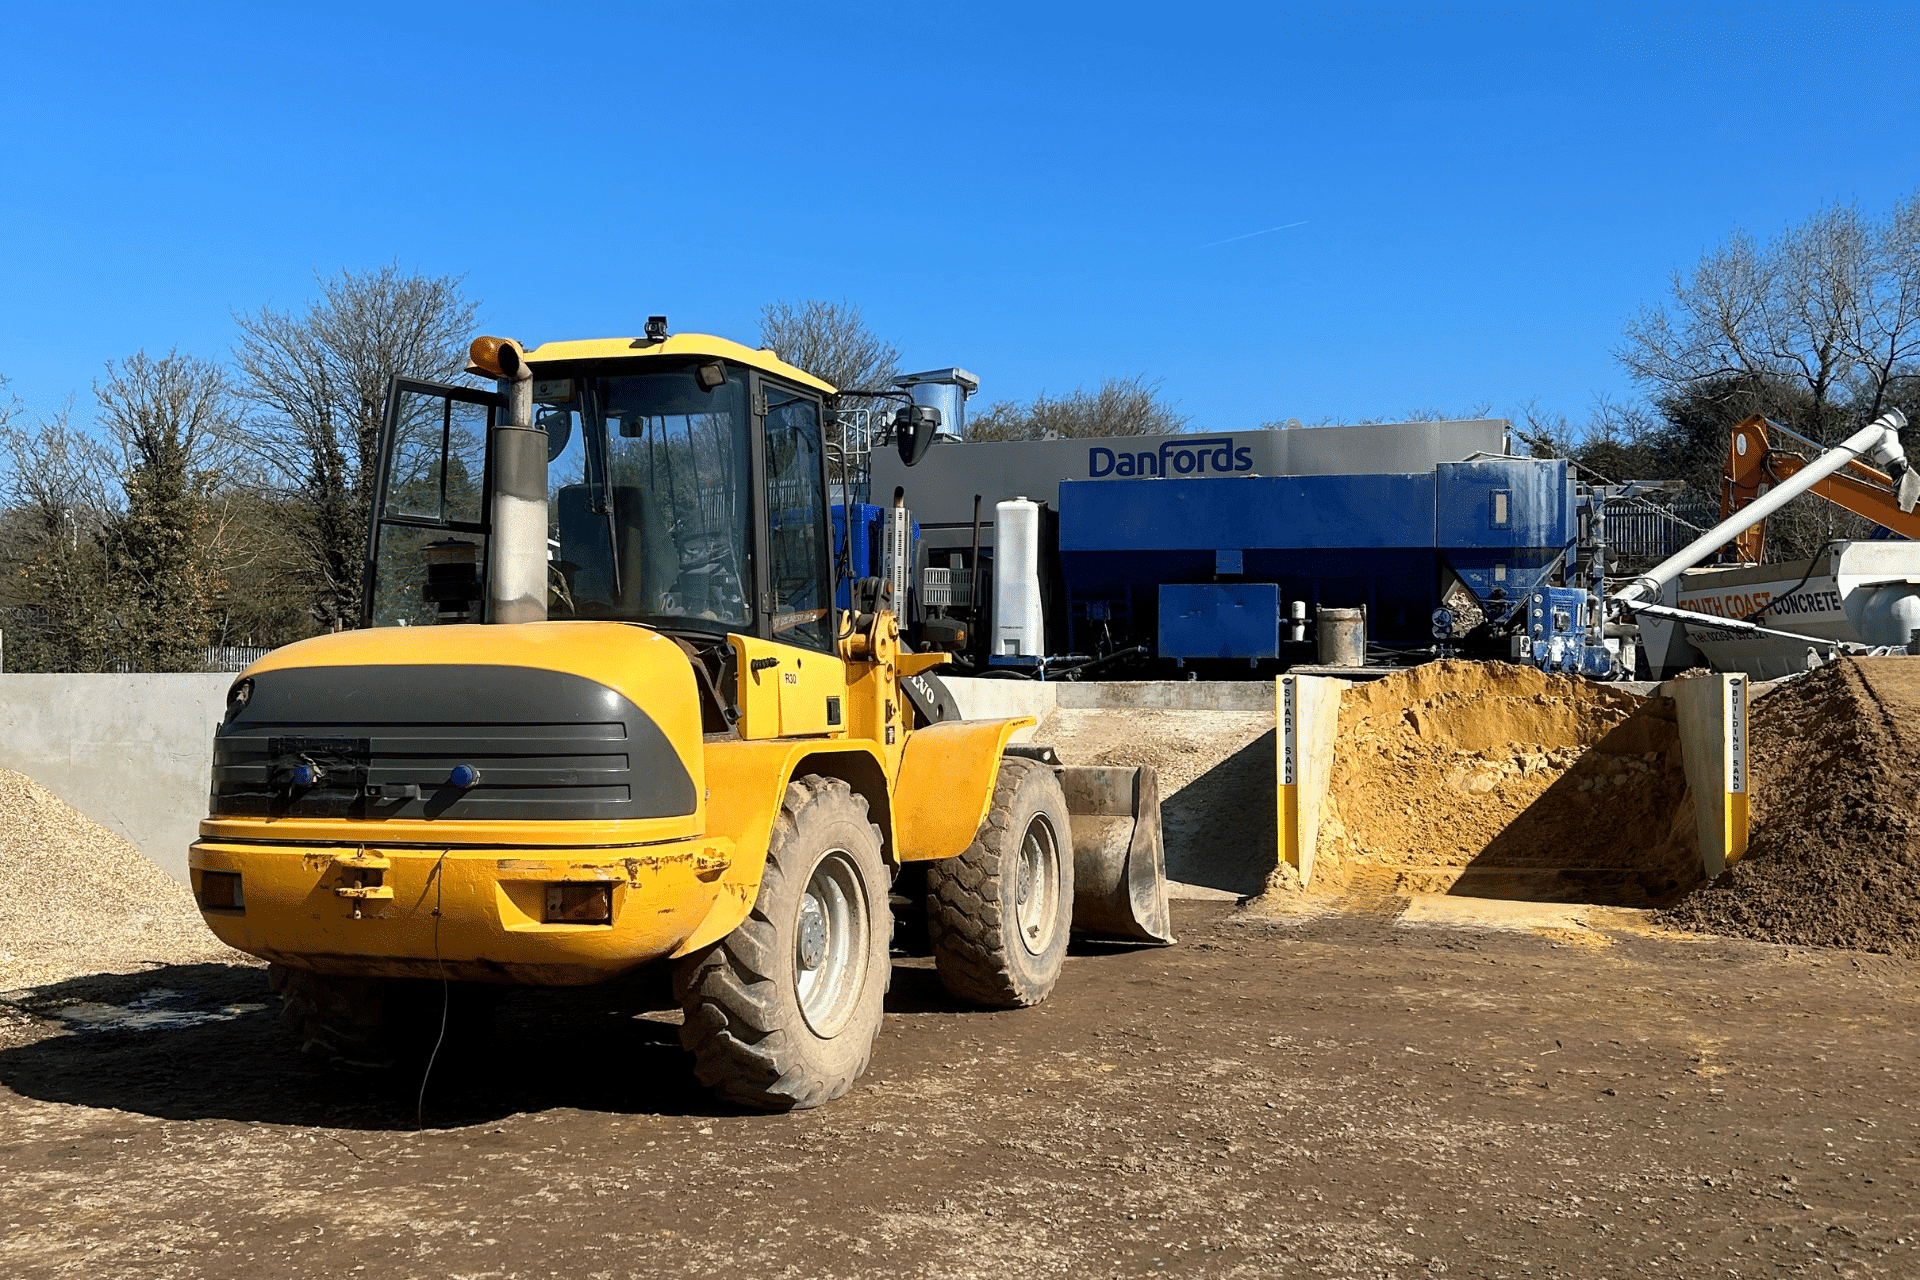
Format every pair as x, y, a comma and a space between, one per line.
738, 1025
967, 903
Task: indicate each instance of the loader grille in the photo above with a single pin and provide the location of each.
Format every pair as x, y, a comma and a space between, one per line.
387, 742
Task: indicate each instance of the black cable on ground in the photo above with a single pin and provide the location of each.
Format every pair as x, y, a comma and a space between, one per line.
446, 991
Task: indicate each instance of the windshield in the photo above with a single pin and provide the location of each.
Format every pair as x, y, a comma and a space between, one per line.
650, 506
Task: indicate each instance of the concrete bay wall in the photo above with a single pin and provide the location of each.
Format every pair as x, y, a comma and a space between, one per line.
131, 752
986, 699
134, 752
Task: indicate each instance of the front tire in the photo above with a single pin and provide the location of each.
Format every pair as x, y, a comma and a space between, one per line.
781, 1014
998, 914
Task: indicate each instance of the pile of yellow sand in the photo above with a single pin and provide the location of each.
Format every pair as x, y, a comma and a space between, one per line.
1502, 781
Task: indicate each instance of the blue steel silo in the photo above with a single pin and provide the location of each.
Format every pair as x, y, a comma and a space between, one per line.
1232, 551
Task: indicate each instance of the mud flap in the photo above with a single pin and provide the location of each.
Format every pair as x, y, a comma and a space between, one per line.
1119, 862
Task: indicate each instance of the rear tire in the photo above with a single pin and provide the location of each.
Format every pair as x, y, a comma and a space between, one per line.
998, 915
781, 1014
371, 1024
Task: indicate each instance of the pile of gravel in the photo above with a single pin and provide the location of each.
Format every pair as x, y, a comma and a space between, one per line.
1835, 854
77, 899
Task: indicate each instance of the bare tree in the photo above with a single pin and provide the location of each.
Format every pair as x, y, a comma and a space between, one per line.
169, 420
177, 409
56, 587
316, 381
1121, 407
1716, 328
267, 591
1472, 412
831, 341
1546, 434
1887, 342
1827, 314
1818, 329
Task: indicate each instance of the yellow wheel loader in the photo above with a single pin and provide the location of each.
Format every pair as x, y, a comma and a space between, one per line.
611, 705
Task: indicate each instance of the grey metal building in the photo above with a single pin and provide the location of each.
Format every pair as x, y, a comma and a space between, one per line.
940, 491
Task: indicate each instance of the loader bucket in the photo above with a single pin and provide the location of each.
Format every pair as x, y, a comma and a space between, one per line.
1119, 863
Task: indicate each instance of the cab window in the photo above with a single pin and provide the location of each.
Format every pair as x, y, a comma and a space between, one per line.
798, 569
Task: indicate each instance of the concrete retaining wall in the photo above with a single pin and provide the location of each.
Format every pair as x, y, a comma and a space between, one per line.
1170, 695
131, 752
986, 699
999, 699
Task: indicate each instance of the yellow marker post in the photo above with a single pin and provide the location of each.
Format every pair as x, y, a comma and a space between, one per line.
1712, 713
1737, 826
1307, 711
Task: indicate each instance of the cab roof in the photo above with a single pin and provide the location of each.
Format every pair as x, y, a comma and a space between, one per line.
676, 346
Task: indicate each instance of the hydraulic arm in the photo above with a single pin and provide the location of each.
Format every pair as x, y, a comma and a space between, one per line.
1754, 467
1880, 440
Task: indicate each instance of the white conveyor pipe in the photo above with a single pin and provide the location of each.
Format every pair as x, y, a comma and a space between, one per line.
1881, 440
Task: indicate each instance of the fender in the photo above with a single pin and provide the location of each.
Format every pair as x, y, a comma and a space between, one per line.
947, 775
749, 783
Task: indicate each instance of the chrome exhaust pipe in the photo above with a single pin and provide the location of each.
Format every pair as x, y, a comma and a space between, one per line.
517, 556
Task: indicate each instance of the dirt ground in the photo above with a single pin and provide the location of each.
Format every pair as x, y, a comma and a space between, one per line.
1352, 1092
1835, 857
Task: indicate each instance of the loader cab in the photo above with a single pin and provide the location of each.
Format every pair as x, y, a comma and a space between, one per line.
687, 492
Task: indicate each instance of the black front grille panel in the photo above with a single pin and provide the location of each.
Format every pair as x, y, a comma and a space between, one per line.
550, 766
269, 764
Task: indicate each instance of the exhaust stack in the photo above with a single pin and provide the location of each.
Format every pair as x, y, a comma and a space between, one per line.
517, 560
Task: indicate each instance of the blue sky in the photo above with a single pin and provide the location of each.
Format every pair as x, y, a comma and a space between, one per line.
1046, 194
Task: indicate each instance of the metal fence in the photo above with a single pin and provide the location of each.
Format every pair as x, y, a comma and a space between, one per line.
234, 657
1642, 530
218, 658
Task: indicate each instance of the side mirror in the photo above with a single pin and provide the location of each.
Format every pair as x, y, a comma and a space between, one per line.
558, 424
913, 431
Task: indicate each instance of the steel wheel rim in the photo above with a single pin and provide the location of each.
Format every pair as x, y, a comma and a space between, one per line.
1036, 910
830, 944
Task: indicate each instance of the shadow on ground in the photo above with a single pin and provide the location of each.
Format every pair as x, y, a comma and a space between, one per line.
590, 1048
1616, 829
203, 1042
1221, 830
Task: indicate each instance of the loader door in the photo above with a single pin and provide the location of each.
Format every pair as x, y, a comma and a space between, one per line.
799, 563
427, 539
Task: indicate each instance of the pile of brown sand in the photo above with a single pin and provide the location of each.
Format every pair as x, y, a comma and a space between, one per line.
77, 899
1834, 859
1501, 781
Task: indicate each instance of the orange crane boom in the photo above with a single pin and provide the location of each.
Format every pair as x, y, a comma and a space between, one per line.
1754, 465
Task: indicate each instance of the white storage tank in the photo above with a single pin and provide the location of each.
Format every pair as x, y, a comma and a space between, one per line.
1019, 624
